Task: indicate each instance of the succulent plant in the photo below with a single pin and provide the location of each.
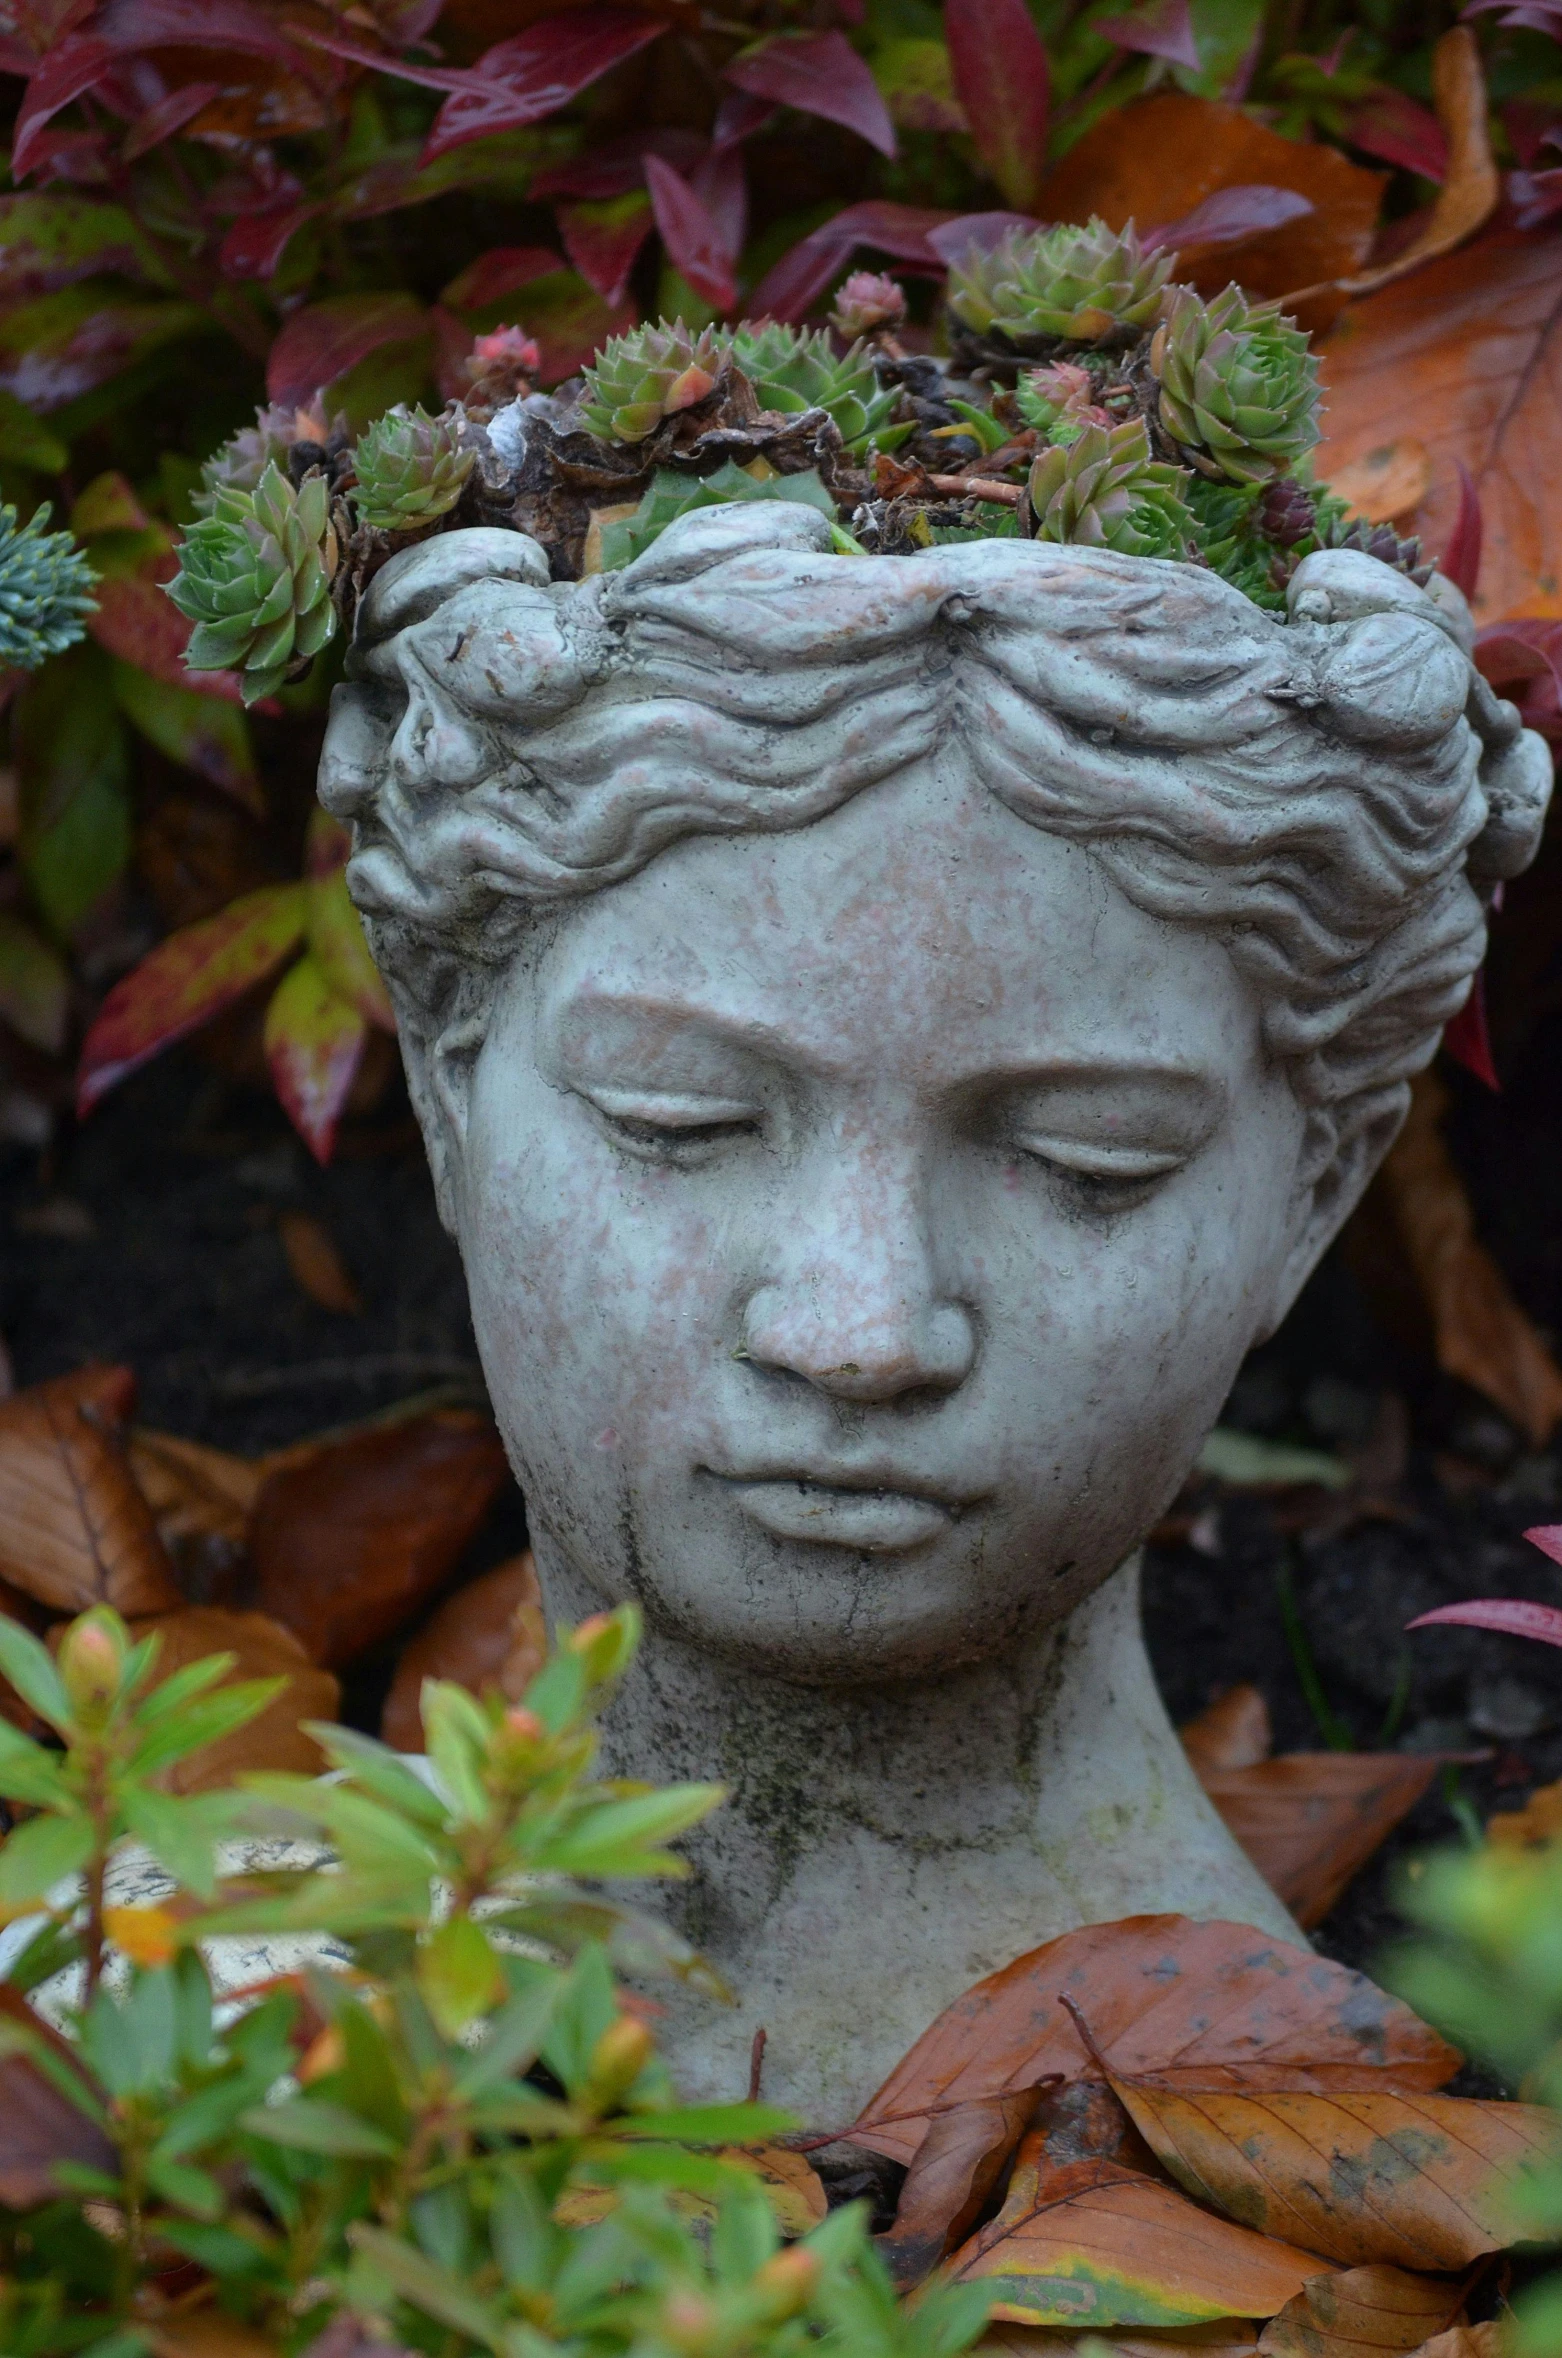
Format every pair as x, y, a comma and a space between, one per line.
1060, 401
1105, 491
867, 302
1287, 514
1239, 385
500, 367
411, 469
638, 380
245, 456
1384, 543
1085, 286
46, 587
793, 371
673, 494
255, 579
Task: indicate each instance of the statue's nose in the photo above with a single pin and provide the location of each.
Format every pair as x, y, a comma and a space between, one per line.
852, 1302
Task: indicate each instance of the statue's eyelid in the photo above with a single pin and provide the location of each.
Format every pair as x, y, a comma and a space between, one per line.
1129, 1164
671, 1111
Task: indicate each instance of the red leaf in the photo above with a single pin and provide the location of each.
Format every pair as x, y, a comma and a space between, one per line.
496, 274
1510, 1616
721, 184
185, 981
532, 75
70, 69
952, 240
170, 114
1536, 196
804, 273
196, 24
1162, 29
1231, 215
693, 241
384, 61
819, 74
254, 244
1548, 1538
738, 117
602, 241
1001, 80
314, 1044
1523, 661
1460, 561
614, 166
1467, 1039
323, 341
1393, 125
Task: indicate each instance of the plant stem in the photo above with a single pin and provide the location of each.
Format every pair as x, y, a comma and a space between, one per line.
1330, 1726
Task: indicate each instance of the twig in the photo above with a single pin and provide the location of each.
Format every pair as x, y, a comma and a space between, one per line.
756, 2064
1008, 495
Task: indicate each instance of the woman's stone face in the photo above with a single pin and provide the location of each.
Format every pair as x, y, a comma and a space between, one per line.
864, 1226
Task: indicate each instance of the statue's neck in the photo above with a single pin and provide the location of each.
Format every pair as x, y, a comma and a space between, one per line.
884, 1847
926, 1762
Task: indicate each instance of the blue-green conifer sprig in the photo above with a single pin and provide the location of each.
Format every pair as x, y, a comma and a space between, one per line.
46, 586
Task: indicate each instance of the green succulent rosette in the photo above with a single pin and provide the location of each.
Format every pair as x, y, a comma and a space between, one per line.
791, 371
255, 579
638, 380
1081, 286
672, 495
1238, 385
46, 587
1104, 490
411, 470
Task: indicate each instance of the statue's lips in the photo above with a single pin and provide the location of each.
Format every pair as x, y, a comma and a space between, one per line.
876, 1518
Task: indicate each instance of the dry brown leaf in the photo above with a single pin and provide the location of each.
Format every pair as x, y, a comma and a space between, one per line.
1471, 185
489, 1634
1160, 1993
74, 1529
39, 2126
1225, 2337
1157, 159
317, 1265
1388, 484
193, 1491
1094, 2244
348, 1545
1466, 2341
957, 2165
1363, 2313
1310, 1821
1422, 2181
207, 2336
1233, 1732
265, 1649
1534, 1827
792, 2187
1482, 1336
1467, 357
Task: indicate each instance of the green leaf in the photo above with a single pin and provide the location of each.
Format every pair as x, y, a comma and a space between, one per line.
515, 2035
1245, 1460
382, 1771
30, 1668
50, 238
456, 1736
459, 1975
29, 1773
708, 2124
41, 1854
437, 2291
34, 985
316, 2125
182, 1832
172, 1694
188, 2188
203, 733
73, 761
205, 1721
608, 1841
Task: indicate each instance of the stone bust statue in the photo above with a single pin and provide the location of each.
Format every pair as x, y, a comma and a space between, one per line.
891, 1034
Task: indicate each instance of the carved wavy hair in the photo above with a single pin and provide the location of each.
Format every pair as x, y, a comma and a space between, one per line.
1333, 794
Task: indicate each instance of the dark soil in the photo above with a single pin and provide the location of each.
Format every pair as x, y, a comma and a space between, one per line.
152, 1238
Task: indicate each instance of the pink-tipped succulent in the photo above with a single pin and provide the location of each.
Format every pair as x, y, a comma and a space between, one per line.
501, 367
868, 304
